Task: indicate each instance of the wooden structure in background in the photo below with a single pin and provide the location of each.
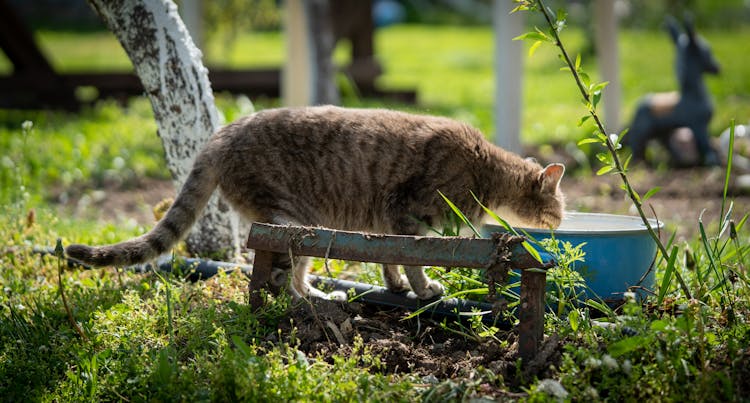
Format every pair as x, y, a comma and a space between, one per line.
35, 84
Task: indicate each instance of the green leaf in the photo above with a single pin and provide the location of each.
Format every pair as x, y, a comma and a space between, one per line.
635, 194
583, 120
585, 78
605, 169
659, 325
578, 62
534, 47
588, 140
600, 306
573, 318
599, 86
536, 35
596, 98
651, 192
532, 251
627, 162
625, 346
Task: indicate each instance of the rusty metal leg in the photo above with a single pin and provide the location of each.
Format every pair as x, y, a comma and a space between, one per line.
261, 275
531, 314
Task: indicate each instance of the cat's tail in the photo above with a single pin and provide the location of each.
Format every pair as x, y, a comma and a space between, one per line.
175, 224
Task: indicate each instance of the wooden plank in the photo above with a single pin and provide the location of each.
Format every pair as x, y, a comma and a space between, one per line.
390, 249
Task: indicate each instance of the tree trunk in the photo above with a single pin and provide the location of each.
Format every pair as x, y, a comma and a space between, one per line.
170, 69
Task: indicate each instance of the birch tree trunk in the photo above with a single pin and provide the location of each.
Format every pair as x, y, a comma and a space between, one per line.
175, 80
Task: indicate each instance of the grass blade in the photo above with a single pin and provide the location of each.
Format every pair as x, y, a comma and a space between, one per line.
460, 214
666, 281
532, 251
730, 154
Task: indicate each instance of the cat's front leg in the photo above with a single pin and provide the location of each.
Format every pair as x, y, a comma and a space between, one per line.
394, 281
423, 286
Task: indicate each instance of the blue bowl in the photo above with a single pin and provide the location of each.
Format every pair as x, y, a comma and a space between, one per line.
619, 250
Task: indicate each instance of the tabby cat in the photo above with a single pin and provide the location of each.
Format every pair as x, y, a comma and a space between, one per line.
350, 169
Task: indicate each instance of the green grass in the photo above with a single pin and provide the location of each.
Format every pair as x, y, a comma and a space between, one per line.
204, 343
451, 69
201, 343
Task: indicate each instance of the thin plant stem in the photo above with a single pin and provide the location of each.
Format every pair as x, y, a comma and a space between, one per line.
610, 146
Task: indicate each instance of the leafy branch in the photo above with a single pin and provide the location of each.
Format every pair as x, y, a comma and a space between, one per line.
591, 93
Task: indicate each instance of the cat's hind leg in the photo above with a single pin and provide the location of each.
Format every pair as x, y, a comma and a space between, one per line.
299, 287
302, 288
423, 286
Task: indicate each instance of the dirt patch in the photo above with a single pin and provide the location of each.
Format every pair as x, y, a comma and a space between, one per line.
685, 195
116, 203
418, 346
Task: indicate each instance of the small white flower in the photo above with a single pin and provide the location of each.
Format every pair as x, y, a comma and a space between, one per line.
627, 366
609, 362
592, 362
27, 125
613, 140
591, 393
553, 388
630, 296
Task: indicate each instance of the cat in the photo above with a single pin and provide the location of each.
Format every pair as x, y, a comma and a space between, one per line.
371, 170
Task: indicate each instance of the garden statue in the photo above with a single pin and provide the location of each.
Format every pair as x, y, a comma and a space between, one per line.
659, 115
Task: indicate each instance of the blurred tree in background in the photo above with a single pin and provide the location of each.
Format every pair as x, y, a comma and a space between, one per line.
229, 17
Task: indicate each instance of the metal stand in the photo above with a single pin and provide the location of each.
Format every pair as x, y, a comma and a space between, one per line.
498, 253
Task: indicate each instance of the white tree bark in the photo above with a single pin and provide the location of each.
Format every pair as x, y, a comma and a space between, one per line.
175, 80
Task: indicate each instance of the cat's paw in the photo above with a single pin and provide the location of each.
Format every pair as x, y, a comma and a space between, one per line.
401, 284
431, 290
331, 296
337, 296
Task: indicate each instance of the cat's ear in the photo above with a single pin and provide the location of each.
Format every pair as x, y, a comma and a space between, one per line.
550, 177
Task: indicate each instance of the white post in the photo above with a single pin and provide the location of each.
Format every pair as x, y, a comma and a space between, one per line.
605, 32
296, 79
508, 75
308, 76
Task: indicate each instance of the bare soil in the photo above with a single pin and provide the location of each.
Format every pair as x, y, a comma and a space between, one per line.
418, 346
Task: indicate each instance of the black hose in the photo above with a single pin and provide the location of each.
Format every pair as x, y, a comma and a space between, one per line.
200, 269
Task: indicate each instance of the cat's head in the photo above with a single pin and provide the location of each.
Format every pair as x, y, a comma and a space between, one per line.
540, 203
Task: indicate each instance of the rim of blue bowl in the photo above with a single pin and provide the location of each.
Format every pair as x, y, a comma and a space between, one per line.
625, 225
